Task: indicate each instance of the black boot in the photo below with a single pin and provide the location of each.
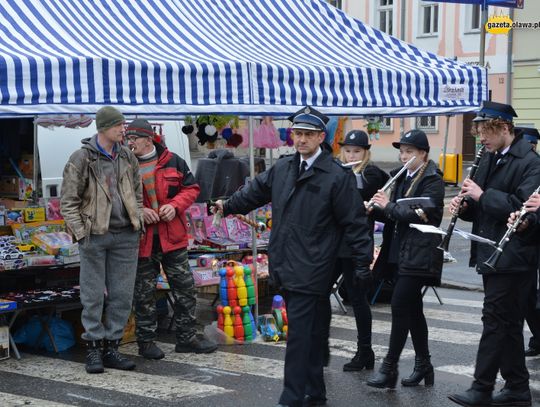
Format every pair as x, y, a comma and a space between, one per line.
386, 377
94, 361
113, 359
423, 370
149, 350
364, 358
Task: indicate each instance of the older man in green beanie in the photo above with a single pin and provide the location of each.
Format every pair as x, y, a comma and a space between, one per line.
101, 202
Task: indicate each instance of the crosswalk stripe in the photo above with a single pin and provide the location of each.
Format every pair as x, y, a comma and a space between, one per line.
468, 371
347, 349
131, 382
15, 400
444, 315
435, 334
226, 361
454, 301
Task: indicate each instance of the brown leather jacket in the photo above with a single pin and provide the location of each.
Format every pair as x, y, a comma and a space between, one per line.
85, 200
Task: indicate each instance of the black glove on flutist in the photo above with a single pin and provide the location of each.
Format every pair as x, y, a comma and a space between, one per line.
362, 276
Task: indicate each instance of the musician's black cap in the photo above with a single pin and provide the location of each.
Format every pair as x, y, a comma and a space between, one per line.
527, 133
493, 110
308, 118
357, 138
416, 138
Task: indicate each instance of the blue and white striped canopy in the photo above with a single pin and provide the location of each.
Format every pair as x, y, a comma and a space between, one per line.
248, 57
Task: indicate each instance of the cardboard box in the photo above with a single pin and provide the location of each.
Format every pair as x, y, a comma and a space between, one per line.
34, 214
4, 342
9, 186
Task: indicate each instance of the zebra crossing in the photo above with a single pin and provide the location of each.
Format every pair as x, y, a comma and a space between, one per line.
249, 374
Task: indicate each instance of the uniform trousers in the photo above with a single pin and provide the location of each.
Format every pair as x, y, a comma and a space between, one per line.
501, 344
533, 316
303, 356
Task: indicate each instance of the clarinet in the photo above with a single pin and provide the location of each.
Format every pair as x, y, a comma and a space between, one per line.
446, 240
494, 258
390, 183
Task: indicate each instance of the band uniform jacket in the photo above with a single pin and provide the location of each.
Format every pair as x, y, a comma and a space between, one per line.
309, 214
506, 185
406, 250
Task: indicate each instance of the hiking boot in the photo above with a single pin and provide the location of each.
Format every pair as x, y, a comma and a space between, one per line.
94, 361
364, 358
113, 359
198, 344
149, 350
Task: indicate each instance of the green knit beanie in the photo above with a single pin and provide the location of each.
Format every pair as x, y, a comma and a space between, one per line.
107, 117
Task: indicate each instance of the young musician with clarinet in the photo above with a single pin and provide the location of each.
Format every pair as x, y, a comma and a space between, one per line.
409, 255
508, 173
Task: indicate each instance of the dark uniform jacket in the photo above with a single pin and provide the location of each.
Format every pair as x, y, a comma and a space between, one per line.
506, 186
406, 250
309, 214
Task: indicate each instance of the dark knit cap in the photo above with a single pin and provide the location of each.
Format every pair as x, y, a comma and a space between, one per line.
107, 117
140, 128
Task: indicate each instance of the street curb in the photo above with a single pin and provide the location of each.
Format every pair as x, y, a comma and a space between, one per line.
461, 286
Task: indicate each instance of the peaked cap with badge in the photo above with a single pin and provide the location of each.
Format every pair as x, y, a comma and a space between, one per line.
493, 110
529, 134
308, 118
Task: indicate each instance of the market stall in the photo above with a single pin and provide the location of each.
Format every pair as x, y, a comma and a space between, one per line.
190, 57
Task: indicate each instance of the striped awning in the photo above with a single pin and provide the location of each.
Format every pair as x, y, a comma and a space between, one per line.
249, 57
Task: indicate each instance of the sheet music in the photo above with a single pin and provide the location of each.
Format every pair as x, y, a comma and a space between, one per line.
427, 228
476, 238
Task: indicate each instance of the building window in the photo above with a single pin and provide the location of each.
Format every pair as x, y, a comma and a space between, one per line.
428, 123
385, 15
430, 19
335, 3
475, 17
386, 124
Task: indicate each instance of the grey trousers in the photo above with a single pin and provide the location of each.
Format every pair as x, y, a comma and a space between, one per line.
107, 278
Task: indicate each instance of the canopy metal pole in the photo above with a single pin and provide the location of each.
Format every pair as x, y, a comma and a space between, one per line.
483, 19
36, 165
445, 144
252, 216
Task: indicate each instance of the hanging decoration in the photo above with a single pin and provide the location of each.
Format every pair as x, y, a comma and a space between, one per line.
373, 127
72, 121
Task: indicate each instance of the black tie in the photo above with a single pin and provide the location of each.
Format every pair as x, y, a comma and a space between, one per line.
302, 168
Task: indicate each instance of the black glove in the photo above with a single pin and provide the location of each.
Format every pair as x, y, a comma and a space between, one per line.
362, 276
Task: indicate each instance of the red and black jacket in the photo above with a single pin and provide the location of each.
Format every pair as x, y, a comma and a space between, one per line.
175, 185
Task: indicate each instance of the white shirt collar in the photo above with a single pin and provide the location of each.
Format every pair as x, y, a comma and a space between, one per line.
311, 159
413, 173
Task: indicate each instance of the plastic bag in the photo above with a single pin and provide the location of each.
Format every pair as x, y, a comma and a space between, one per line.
32, 331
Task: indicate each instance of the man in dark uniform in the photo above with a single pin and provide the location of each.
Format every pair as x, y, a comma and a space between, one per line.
507, 174
314, 203
528, 134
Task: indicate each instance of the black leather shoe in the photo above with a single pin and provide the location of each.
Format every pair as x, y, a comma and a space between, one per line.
386, 377
507, 397
532, 352
364, 358
149, 350
423, 370
310, 401
472, 398
198, 344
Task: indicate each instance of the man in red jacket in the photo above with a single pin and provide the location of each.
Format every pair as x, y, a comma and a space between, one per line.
169, 188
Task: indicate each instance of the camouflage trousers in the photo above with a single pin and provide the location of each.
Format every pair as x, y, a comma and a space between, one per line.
176, 267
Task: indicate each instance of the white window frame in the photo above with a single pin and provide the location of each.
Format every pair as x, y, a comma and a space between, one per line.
433, 21
336, 3
387, 124
431, 127
470, 20
388, 12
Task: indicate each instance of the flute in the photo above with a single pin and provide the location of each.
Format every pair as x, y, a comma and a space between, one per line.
390, 183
